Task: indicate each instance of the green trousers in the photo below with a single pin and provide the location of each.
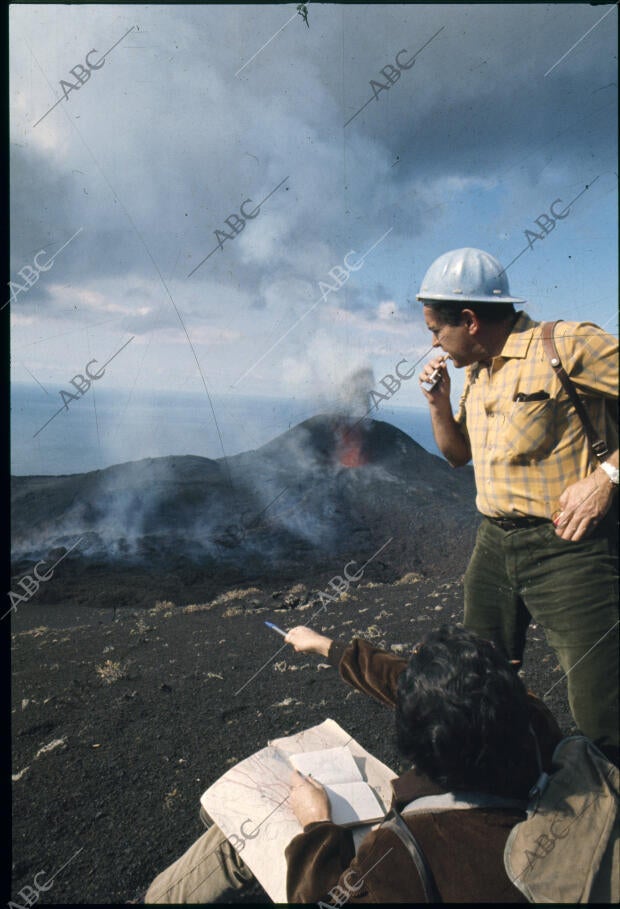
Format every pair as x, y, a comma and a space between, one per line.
569, 588
209, 872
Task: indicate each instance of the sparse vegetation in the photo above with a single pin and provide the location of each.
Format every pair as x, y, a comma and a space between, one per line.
170, 797
412, 577
162, 606
141, 627
197, 607
112, 671
237, 594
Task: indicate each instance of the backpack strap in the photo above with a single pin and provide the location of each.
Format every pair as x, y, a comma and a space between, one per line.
396, 824
448, 801
598, 446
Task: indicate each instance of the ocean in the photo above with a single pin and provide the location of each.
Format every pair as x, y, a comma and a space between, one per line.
108, 426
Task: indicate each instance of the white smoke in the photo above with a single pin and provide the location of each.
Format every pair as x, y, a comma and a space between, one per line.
353, 396
323, 370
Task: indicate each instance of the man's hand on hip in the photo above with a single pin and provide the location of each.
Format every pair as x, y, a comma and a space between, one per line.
583, 505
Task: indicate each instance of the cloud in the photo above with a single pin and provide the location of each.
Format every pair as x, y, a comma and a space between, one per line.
389, 311
164, 144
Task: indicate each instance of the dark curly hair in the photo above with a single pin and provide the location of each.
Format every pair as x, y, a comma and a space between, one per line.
462, 715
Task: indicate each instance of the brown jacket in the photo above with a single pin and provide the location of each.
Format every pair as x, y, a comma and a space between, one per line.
464, 848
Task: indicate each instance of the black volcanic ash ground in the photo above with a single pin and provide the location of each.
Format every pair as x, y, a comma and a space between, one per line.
144, 717
127, 662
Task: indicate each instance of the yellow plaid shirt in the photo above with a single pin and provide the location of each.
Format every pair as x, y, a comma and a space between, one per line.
526, 452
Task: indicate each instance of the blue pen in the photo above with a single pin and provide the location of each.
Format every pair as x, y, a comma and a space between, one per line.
275, 628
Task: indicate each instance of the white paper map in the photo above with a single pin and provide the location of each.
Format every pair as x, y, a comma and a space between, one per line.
249, 803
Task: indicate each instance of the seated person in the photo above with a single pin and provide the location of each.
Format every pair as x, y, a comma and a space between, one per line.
467, 724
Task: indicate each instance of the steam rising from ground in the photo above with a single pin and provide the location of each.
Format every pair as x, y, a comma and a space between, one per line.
307, 491
287, 496
332, 489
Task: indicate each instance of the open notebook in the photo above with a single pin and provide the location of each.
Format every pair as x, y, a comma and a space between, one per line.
352, 800
249, 803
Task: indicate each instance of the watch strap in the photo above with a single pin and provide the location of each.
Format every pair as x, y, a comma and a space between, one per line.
612, 472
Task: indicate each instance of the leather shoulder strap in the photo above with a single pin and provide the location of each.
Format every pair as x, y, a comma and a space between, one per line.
396, 824
598, 446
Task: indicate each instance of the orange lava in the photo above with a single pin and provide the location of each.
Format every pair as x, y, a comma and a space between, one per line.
349, 448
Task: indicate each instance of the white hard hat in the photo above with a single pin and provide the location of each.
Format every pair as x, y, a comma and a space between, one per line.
466, 275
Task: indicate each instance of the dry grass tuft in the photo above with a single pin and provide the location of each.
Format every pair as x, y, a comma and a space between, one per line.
197, 607
228, 597
162, 606
112, 671
412, 577
35, 632
141, 627
231, 595
169, 798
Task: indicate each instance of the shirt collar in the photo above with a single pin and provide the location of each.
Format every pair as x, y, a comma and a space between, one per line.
413, 785
519, 339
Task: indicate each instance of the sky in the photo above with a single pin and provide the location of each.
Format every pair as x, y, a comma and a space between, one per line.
176, 118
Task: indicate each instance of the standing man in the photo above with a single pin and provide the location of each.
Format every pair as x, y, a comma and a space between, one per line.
547, 547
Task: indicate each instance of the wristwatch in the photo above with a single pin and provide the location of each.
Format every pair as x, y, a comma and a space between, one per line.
612, 472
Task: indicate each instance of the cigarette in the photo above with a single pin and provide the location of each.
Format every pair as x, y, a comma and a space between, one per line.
275, 628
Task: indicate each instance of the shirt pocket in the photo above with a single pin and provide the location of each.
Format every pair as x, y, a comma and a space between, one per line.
530, 430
